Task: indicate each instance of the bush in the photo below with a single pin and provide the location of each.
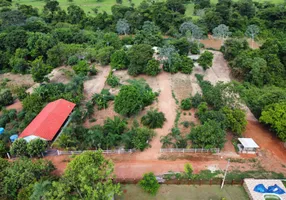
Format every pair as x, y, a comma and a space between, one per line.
187, 65
186, 104
36, 147
141, 137
6, 97
81, 68
119, 60
153, 67
195, 49
102, 99
133, 98
205, 60
104, 54
21, 92
196, 100
73, 60
149, 183
153, 119
112, 80
19, 147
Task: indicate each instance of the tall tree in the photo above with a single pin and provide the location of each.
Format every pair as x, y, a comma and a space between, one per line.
222, 32
88, 176
122, 27
252, 31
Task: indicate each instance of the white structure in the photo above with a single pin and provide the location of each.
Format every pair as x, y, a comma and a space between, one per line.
247, 145
32, 137
194, 57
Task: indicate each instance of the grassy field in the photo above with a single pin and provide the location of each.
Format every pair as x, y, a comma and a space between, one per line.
180, 192
105, 5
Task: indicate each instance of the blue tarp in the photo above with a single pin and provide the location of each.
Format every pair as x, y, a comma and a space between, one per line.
13, 137
275, 189
1, 130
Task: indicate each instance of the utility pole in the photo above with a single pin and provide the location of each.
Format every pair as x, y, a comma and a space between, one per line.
225, 174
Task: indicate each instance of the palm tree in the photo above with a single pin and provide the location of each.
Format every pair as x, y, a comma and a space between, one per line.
166, 141
153, 119
115, 126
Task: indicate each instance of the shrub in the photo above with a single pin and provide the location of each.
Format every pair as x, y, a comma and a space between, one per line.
196, 100
6, 97
153, 119
206, 59
188, 170
195, 49
235, 120
21, 92
141, 137
149, 183
81, 68
73, 60
104, 54
187, 65
36, 147
112, 80
153, 67
19, 147
102, 99
186, 104
119, 60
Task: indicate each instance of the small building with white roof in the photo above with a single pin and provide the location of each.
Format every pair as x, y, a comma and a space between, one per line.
247, 145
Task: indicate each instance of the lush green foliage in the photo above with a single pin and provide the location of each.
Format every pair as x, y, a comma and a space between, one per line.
36, 147
6, 97
139, 55
153, 119
186, 104
19, 148
208, 135
149, 183
88, 176
206, 60
119, 60
81, 68
133, 98
152, 68
112, 80
274, 115
235, 120
101, 100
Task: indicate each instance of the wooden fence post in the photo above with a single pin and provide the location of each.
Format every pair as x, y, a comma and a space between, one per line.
241, 182
200, 182
211, 181
232, 182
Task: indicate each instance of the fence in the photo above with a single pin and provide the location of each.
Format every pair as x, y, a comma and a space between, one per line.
202, 150
116, 151
215, 181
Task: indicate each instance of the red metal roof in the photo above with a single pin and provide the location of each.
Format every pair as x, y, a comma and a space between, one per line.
49, 121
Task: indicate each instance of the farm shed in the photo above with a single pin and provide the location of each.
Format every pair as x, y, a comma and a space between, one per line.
247, 145
48, 123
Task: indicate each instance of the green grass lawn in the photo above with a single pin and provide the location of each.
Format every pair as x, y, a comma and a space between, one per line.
180, 192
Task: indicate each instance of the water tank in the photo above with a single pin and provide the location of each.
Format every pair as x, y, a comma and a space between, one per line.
1, 130
13, 137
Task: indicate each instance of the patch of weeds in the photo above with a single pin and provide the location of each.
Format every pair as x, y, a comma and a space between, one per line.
284, 166
185, 113
178, 115
237, 160
258, 174
92, 120
234, 141
174, 96
186, 124
190, 114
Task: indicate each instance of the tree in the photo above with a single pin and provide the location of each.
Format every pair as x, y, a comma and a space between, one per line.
122, 27
104, 54
232, 47
206, 60
166, 141
115, 126
186, 104
252, 31
187, 65
119, 1
209, 135
166, 52
102, 99
235, 120
173, 63
87, 176
188, 170
191, 30
182, 44
39, 190
149, 183
119, 60
81, 68
153, 119
275, 116
36, 147
128, 101
139, 55
39, 70
75, 14
141, 137
19, 147
196, 100
150, 34
153, 67
112, 80
6, 97
221, 32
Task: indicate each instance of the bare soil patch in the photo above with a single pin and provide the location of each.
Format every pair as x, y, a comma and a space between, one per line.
17, 79
61, 75
217, 43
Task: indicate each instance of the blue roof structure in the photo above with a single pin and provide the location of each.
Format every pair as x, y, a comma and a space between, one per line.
13, 137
